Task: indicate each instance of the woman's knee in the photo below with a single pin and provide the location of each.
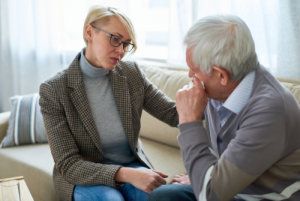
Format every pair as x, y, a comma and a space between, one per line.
96, 193
131, 193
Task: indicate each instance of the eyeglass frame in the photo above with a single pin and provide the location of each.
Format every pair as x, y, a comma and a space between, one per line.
125, 44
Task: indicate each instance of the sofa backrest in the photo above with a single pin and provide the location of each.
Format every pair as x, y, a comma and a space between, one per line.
293, 86
169, 80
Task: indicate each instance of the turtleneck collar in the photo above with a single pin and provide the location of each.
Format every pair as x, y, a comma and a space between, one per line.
89, 70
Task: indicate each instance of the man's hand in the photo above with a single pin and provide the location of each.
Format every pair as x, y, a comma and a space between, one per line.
191, 101
182, 179
144, 179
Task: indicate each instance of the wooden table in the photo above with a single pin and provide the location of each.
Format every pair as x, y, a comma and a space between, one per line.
24, 191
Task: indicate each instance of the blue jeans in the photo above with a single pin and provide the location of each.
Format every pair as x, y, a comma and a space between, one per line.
173, 192
126, 192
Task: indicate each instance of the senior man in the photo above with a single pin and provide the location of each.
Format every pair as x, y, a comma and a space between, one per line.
249, 148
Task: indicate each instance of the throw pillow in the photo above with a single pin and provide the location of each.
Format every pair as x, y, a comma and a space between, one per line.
26, 124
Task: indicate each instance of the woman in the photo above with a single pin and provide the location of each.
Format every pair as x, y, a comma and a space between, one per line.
92, 114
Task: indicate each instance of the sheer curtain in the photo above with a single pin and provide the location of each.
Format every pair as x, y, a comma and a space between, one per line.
288, 34
274, 25
34, 43
40, 37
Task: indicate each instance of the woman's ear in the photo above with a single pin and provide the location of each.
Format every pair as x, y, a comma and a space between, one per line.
222, 74
88, 32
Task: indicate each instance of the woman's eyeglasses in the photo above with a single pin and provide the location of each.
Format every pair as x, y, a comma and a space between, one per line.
116, 41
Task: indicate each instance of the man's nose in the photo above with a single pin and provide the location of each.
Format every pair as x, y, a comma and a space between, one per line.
191, 73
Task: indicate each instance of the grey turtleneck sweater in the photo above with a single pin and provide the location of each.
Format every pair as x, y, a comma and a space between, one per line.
114, 142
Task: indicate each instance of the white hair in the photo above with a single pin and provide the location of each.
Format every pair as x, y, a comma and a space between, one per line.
224, 41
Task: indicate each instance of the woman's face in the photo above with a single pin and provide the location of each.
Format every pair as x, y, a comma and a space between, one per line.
99, 52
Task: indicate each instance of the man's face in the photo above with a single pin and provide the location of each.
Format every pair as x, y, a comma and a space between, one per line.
210, 82
194, 71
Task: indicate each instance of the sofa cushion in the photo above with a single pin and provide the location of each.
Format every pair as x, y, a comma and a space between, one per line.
25, 123
35, 163
168, 80
293, 86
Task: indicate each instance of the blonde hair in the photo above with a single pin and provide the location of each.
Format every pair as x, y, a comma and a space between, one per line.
101, 14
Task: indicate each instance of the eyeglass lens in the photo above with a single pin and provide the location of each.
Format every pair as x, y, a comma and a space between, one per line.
115, 41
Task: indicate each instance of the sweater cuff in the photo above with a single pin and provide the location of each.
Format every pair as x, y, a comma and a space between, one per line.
192, 131
191, 124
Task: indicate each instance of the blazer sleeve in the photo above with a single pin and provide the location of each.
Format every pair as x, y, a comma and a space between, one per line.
157, 103
68, 161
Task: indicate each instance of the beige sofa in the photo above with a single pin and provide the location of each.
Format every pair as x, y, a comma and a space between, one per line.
35, 163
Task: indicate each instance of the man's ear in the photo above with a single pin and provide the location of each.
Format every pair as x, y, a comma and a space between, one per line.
222, 74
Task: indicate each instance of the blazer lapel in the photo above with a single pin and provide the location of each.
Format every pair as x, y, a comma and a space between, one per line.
80, 101
122, 98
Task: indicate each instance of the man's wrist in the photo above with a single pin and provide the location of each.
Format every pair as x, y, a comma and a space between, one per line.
183, 120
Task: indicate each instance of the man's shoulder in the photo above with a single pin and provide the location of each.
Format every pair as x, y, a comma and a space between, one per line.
268, 93
266, 83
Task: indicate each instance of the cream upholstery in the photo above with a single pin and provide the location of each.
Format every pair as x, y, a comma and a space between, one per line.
35, 163
293, 86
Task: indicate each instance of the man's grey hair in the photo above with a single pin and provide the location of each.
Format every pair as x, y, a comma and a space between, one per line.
224, 41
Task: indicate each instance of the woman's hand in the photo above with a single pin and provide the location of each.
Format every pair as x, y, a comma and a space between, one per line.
191, 101
144, 179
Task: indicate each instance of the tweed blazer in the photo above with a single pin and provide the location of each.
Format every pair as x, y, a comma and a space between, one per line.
74, 141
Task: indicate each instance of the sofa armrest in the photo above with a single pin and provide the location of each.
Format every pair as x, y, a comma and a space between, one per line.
4, 118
